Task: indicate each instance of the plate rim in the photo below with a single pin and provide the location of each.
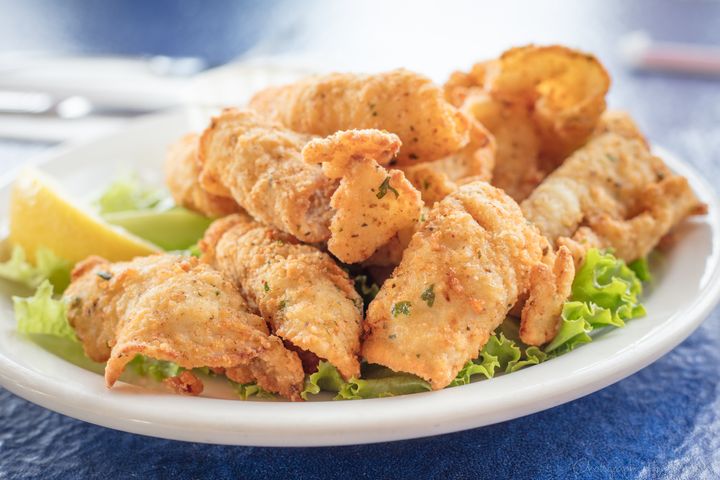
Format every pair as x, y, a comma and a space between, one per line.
347, 423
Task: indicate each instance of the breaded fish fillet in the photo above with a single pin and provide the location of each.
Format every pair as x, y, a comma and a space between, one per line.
174, 308
182, 172
462, 272
372, 204
352, 202
259, 163
437, 179
611, 193
308, 300
399, 101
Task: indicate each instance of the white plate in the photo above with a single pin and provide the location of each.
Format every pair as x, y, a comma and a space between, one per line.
687, 287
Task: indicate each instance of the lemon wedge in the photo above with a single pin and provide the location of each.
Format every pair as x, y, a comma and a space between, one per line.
41, 215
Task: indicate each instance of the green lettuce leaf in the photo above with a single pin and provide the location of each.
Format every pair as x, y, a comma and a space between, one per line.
605, 293
641, 269
48, 266
158, 370
530, 356
41, 314
326, 378
247, 390
484, 365
126, 194
173, 229
497, 353
379, 382
609, 283
501, 353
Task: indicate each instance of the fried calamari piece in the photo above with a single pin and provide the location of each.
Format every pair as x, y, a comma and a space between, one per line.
258, 163
437, 179
182, 172
307, 299
540, 102
173, 308
611, 193
462, 272
372, 204
399, 101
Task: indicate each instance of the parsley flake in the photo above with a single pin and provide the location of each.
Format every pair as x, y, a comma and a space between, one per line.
384, 187
428, 296
401, 308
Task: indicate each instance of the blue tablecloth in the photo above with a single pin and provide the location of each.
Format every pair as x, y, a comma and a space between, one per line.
663, 422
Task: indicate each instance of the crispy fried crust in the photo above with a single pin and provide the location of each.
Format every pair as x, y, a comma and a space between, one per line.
372, 204
611, 193
476, 254
173, 308
186, 383
540, 102
550, 286
273, 173
390, 254
398, 101
182, 172
437, 179
307, 299
517, 166
258, 163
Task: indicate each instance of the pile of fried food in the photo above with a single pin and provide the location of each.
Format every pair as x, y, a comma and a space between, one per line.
468, 203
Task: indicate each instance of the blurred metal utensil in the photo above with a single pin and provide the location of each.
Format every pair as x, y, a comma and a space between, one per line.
121, 83
44, 104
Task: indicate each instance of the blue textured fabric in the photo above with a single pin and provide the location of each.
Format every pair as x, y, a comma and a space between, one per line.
663, 422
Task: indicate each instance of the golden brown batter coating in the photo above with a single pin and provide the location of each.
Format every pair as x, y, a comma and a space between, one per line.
372, 204
173, 308
540, 102
259, 164
182, 172
307, 299
352, 202
462, 272
437, 179
611, 193
399, 101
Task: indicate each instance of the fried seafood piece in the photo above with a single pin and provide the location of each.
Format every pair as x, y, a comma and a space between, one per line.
174, 308
437, 179
399, 101
611, 193
372, 204
540, 102
352, 201
306, 298
465, 268
182, 175
390, 254
259, 163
